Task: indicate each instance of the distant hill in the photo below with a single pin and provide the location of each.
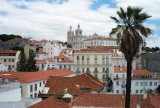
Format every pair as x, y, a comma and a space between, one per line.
6, 37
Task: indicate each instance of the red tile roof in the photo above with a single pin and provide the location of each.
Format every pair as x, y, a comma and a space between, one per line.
60, 56
7, 52
105, 100
41, 52
26, 77
50, 102
142, 72
50, 60
40, 61
152, 101
88, 81
44, 40
118, 69
58, 84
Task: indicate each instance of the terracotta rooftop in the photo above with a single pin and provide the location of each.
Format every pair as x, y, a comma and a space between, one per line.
40, 61
58, 84
97, 49
50, 102
142, 72
118, 69
67, 61
44, 40
88, 81
27, 77
7, 52
152, 101
105, 100
41, 52
60, 56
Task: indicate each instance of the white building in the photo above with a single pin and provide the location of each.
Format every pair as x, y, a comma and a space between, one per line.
98, 41
41, 55
3, 68
142, 81
53, 49
63, 62
10, 93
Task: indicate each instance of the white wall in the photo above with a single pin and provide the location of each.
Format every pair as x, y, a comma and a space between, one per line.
3, 68
26, 88
12, 95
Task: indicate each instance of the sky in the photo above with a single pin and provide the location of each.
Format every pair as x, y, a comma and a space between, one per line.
51, 19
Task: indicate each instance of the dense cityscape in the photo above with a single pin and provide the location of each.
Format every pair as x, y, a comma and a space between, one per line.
114, 70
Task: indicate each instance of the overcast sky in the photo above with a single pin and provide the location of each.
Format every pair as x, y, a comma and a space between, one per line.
51, 19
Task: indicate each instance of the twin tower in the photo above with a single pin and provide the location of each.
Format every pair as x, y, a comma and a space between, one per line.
75, 38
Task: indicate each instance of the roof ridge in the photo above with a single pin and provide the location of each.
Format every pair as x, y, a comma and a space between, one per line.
93, 80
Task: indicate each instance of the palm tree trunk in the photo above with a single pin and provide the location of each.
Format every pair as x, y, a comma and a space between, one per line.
128, 84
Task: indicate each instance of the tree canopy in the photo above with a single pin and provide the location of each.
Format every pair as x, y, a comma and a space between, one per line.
6, 37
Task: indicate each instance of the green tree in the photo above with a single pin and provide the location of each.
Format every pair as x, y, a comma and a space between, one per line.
31, 63
21, 65
69, 46
129, 32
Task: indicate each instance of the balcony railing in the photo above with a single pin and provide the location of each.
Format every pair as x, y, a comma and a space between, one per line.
123, 85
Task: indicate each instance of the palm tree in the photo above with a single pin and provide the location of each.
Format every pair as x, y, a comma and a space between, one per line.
129, 32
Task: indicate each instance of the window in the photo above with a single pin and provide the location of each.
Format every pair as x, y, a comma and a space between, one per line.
117, 83
40, 84
31, 88
35, 94
82, 57
155, 83
44, 82
103, 70
146, 83
141, 83
35, 87
77, 57
137, 91
9, 60
82, 70
12, 66
136, 84
123, 91
141, 91
64, 66
150, 83
117, 91
60, 66
31, 96
69, 67
12, 60
95, 57
5, 60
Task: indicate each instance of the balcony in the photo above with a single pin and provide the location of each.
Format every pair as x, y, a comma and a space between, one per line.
88, 71
123, 86
78, 71
96, 72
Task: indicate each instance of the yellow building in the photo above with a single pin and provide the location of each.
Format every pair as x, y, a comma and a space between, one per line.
27, 47
9, 58
95, 60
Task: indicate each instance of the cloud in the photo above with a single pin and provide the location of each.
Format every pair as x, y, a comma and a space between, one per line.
51, 19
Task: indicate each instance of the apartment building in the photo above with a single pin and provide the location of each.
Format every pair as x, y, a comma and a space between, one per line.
94, 60
9, 58
142, 81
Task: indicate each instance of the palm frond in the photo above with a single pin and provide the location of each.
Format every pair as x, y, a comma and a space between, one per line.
115, 19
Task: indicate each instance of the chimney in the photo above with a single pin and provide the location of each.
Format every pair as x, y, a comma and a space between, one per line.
67, 98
